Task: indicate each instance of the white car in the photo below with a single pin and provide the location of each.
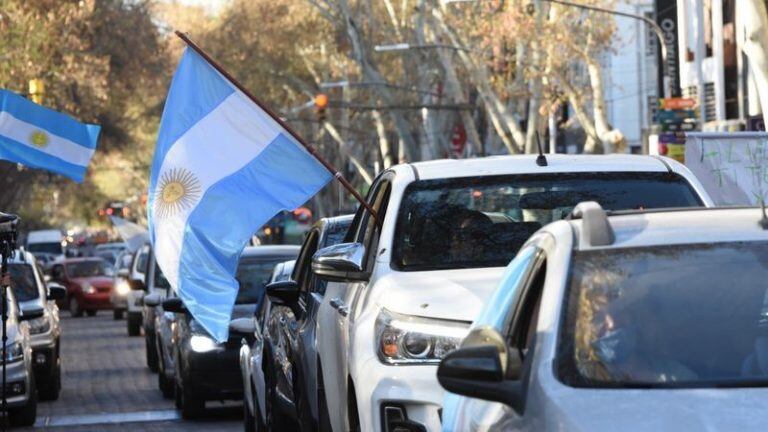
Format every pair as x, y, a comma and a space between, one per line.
407, 288
134, 300
637, 321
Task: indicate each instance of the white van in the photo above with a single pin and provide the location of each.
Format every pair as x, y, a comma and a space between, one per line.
46, 242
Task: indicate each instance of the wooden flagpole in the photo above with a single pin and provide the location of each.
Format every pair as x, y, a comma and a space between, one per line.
336, 174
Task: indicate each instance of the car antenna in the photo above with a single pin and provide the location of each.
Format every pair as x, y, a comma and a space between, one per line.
541, 160
764, 220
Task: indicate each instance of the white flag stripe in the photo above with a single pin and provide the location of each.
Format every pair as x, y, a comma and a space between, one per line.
219, 145
57, 146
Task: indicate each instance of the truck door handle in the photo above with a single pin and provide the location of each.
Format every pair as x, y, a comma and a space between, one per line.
339, 305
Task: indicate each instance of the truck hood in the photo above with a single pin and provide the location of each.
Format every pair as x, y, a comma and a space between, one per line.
741, 409
444, 294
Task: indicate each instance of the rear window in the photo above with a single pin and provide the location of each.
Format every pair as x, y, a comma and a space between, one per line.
23, 282
84, 269
483, 221
253, 275
692, 315
51, 248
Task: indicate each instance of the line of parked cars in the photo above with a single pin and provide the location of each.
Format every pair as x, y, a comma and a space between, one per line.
33, 365
536, 292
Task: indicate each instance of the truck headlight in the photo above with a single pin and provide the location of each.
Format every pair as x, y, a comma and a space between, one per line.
202, 343
407, 339
39, 325
122, 288
14, 352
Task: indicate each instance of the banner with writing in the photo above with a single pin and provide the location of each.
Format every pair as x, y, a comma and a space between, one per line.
732, 167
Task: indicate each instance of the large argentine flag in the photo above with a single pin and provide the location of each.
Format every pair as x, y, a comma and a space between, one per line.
39, 137
222, 168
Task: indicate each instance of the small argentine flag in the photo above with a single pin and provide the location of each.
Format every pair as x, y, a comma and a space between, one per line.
39, 137
222, 168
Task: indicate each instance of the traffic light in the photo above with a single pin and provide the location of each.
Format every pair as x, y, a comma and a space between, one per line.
321, 103
36, 90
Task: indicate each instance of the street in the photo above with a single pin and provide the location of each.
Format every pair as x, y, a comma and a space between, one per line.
106, 385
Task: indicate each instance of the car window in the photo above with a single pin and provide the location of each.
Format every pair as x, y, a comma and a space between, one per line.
52, 248
479, 222
334, 234
253, 276
159, 278
303, 265
94, 268
141, 262
672, 315
23, 282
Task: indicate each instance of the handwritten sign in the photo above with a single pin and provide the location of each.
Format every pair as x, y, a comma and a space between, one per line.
732, 167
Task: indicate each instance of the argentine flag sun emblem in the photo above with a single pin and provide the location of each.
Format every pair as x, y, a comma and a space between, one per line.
222, 168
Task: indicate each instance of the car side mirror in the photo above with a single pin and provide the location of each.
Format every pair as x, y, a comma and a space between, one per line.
152, 300
137, 284
483, 368
340, 263
284, 292
243, 326
56, 291
30, 314
174, 305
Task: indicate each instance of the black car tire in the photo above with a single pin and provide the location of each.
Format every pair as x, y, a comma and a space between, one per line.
49, 391
26, 415
151, 353
249, 419
192, 405
117, 314
177, 395
324, 418
74, 307
91, 312
134, 324
166, 385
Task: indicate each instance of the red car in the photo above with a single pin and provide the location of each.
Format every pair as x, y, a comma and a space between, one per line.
88, 282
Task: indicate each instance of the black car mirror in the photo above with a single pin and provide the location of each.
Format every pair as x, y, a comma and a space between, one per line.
243, 326
30, 314
152, 300
482, 369
173, 305
340, 263
283, 292
56, 291
137, 284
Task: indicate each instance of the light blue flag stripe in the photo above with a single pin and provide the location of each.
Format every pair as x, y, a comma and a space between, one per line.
19, 153
195, 91
281, 178
49, 120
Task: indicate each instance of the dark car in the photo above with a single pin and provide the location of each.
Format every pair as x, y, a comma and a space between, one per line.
206, 370
88, 282
293, 388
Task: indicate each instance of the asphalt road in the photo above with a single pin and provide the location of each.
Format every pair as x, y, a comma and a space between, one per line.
106, 385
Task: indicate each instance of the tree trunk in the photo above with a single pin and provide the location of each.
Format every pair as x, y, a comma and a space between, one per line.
384, 146
612, 139
754, 15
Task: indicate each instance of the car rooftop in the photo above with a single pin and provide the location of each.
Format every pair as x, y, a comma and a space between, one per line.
270, 250
526, 164
677, 226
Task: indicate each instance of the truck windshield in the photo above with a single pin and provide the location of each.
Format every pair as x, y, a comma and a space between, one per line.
692, 315
482, 221
51, 248
23, 282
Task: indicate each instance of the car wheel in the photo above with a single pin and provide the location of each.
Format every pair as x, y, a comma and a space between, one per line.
192, 406
134, 324
151, 354
324, 419
91, 312
49, 391
74, 307
117, 314
249, 420
26, 415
